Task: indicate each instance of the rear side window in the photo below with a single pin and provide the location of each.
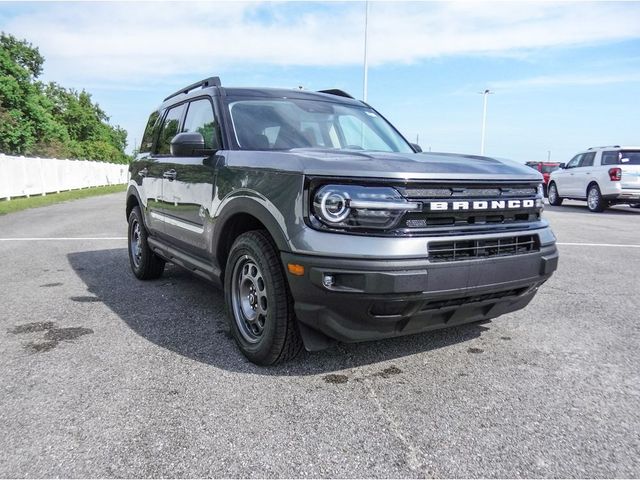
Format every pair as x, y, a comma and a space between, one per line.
587, 159
149, 132
170, 128
630, 157
610, 158
200, 119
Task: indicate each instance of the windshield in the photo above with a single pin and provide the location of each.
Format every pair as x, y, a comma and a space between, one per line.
282, 124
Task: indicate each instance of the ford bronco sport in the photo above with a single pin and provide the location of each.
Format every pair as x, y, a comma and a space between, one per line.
322, 223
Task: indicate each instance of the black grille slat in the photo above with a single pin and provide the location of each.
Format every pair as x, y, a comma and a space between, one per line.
457, 302
457, 250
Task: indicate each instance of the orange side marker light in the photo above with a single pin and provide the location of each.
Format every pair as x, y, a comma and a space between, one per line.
295, 269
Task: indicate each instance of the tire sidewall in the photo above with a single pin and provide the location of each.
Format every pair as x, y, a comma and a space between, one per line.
277, 301
600, 206
553, 188
135, 216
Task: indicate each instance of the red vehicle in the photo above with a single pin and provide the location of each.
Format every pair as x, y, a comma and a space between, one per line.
545, 168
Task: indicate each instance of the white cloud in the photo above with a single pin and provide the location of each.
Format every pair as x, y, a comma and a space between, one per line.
125, 43
543, 81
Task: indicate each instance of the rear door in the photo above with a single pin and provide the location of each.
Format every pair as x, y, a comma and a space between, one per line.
146, 172
162, 162
188, 190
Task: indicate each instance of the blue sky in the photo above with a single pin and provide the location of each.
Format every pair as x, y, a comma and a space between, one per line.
566, 76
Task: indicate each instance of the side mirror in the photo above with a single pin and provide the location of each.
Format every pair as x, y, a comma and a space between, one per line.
563, 165
417, 148
187, 144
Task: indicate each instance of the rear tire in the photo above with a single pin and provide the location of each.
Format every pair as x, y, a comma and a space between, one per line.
145, 264
554, 198
259, 304
595, 202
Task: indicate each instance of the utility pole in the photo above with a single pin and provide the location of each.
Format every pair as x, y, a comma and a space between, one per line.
485, 93
366, 60
548, 155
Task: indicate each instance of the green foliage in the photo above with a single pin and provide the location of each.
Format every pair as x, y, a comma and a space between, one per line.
49, 120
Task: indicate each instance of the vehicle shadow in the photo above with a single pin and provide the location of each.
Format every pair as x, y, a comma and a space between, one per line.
186, 315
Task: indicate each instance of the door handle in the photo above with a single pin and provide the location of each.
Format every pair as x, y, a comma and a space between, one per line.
143, 172
170, 174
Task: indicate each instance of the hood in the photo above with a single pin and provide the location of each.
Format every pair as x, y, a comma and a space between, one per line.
419, 166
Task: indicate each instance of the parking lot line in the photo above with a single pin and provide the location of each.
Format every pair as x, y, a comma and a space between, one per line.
572, 244
46, 239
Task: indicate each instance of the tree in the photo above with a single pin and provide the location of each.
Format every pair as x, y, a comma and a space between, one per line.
48, 119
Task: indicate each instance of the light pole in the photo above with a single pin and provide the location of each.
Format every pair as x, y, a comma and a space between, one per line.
485, 93
366, 60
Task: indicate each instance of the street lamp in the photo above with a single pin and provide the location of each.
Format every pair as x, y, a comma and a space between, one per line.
485, 93
366, 61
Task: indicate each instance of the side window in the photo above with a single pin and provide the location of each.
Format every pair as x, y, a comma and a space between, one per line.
575, 161
200, 119
610, 158
169, 130
587, 159
149, 132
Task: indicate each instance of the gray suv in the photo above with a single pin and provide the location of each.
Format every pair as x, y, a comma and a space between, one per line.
323, 223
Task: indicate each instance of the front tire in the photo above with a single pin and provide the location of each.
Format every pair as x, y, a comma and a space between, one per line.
554, 198
145, 264
259, 305
595, 202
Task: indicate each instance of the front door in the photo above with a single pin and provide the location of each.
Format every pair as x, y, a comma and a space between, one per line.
188, 185
565, 179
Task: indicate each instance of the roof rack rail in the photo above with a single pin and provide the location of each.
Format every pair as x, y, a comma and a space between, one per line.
337, 92
207, 82
604, 146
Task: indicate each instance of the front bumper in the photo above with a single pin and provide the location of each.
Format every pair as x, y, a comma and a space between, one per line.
374, 299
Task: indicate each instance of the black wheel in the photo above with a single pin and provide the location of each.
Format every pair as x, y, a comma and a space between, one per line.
595, 202
553, 197
635, 205
145, 264
259, 304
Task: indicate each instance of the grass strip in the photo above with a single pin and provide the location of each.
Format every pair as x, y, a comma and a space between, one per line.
22, 203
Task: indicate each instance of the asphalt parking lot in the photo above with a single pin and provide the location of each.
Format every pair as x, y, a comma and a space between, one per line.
103, 375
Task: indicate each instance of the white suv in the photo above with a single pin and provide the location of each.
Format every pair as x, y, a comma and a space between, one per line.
602, 176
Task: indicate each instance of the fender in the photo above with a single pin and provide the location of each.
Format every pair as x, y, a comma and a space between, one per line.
132, 190
251, 206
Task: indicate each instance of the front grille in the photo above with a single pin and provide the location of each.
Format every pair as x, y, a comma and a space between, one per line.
458, 250
470, 206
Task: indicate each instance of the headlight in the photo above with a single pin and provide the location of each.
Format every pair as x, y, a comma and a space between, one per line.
355, 206
540, 196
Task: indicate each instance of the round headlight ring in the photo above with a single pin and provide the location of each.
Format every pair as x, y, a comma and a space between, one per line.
333, 206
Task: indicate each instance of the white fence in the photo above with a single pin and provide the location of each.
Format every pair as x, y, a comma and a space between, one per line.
24, 176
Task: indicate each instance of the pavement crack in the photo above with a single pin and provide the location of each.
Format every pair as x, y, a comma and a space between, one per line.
413, 452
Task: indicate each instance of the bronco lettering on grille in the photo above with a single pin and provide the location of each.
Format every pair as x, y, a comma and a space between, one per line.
482, 205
